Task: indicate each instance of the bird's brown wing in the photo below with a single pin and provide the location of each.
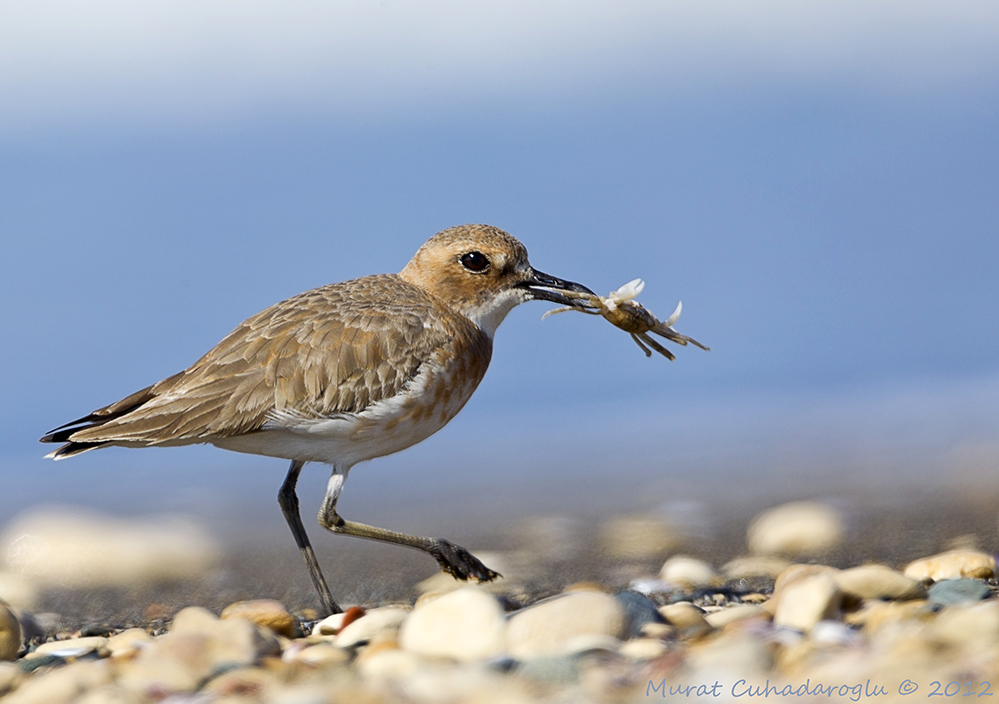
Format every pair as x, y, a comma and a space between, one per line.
334, 349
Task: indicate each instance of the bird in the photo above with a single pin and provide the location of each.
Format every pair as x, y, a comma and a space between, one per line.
341, 374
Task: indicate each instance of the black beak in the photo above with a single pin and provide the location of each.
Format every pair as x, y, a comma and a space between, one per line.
546, 288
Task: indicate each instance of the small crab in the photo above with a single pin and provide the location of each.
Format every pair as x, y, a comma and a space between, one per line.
621, 310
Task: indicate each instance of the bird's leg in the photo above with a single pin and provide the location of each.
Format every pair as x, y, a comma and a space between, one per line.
289, 507
453, 559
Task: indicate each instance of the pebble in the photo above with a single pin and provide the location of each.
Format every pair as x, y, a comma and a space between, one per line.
835, 633
61, 685
18, 591
74, 547
794, 573
239, 682
720, 619
643, 648
687, 618
374, 621
807, 601
71, 647
267, 613
466, 624
688, 572
389, 664
957, 591
800, 528
876, 615
639, 537
878, 582
319, 654
10, 633
972, 627
736, 654
10, 677
128, 642
640, 611
954, 564
331, 625
662, 631
548, 627
551, 670
821, 625
197, 645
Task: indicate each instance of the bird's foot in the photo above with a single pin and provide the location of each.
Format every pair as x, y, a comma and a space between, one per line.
459, 562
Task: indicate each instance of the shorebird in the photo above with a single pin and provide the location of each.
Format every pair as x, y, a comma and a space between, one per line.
342, 374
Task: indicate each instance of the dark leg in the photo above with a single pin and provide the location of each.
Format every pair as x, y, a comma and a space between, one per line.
453, 559
289, 507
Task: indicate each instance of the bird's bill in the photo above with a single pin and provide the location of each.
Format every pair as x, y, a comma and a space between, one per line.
544, 287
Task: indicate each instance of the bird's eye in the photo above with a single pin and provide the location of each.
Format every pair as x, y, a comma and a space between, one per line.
475, 261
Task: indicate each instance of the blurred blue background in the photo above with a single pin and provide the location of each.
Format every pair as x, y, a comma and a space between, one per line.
816, 181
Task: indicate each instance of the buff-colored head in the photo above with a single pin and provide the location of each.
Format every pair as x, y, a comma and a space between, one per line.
482, 273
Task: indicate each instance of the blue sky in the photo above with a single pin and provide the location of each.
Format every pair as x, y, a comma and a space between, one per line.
816, 181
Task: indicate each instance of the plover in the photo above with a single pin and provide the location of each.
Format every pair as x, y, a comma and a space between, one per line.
342, 374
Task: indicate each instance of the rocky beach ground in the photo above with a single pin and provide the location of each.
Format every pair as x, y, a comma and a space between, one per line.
794, 605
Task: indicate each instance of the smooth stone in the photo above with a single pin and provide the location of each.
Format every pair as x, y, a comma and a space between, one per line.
592, 643
662, 631
61, 685
18, 591
71, 647
640, 610
320, 654
878, 582
10, 634
749, 566
10, 677
651, 585
835, 633
128, 642
954, 564
686, 617
447, 684
739, 612
73, 547
331, 625
466, 624
643, 648
876, 615
639, 537
197, 645
548, 627
737, 654
389, 664
957, 591
807, 601
688, 572
238, 682
374, 621
794, 573
797, 528
973, 627
267, 613
550, 670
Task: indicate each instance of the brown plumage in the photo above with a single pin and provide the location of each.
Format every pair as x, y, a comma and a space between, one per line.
335, 349
342, 374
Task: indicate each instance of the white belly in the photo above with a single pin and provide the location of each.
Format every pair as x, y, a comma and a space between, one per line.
386, 426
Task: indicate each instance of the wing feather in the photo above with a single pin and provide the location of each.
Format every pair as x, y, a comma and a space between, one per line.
316, 354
